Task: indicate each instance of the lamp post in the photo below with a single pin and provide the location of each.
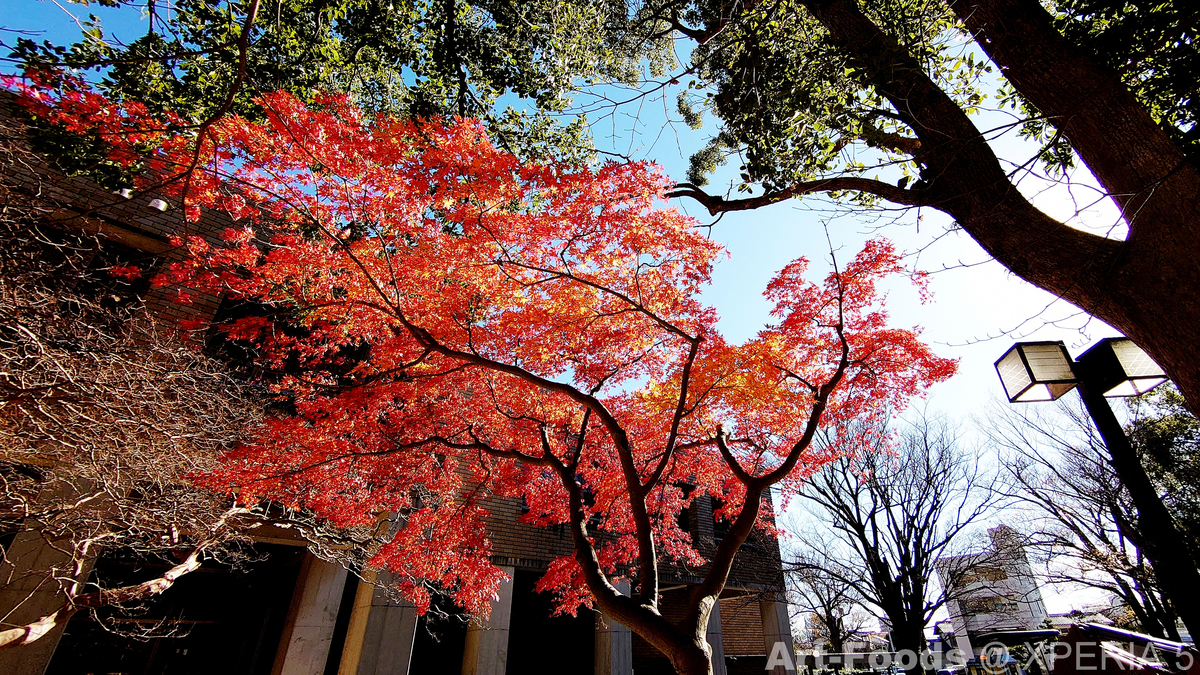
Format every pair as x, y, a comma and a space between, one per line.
1114, 367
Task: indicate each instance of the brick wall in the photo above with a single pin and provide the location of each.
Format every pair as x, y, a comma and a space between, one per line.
78, 205
741, 625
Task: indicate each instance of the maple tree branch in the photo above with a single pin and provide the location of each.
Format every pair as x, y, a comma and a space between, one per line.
640, 614
666, 325
545, 440
583, 429
680, 411
788, 373
547, 459
820, 402
605, 594
734, 465
717, 204
711, 441
395, 448
647, 558
743, 525
427, 340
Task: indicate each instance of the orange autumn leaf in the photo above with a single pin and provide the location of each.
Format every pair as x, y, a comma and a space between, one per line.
452, 324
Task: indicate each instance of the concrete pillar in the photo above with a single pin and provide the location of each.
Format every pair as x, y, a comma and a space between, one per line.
486, 651
777, 628
28, 593
964, 645
614, 644
309, 630
716, 641
379, 639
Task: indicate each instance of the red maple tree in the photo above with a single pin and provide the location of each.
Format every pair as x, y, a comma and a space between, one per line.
461, 325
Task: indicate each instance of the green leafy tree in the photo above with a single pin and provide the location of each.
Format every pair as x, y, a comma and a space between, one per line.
823, 96
1167, 435
511, 63
1150, 46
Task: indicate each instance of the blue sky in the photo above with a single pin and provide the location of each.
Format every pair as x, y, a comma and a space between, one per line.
978, 311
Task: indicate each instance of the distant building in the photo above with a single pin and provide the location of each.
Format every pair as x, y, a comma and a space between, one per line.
992, 590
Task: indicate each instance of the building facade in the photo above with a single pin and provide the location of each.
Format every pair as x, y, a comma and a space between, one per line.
993, 590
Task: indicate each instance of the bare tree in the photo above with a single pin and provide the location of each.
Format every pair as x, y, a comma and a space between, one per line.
895, 509
104, 414
831, 607
1082, 525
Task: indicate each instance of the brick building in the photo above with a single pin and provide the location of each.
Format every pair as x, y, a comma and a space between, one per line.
288, 612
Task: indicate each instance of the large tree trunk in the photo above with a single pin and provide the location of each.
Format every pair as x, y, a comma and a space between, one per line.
909, 636
837, 635
1146, 287
1143, 286
694, 659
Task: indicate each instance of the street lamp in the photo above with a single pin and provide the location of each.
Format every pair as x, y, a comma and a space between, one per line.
1114, 367
1121, 368
1044, 371
1036, 371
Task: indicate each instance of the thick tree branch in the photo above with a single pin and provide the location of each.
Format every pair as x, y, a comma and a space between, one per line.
717, 204
962, 175
685, 377
1126, 150
29, 633
641, 614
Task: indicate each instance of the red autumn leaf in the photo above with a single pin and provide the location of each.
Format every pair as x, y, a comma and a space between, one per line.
468, 326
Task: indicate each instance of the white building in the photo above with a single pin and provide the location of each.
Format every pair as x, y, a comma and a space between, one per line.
990, 591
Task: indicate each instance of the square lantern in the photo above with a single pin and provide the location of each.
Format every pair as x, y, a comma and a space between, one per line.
1121, 368
1036, 371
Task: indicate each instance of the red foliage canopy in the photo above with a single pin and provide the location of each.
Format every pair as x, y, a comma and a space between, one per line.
462, 325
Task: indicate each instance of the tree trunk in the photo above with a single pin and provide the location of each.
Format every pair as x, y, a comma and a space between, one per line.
1141, 286
837, 640
1162, 614
910, 636
694, 659
23, 635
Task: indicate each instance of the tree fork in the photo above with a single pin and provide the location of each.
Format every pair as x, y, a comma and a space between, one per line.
1132, 285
